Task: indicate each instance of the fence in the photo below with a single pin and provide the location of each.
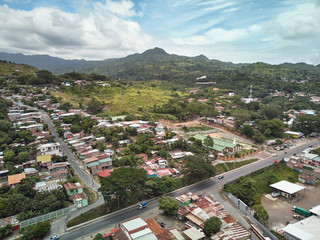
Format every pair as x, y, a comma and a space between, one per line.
48, 216
244, 209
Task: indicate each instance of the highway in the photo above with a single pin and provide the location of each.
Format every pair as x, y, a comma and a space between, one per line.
210, 186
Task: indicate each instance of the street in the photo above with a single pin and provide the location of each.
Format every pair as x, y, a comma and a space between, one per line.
81, 172
210, 186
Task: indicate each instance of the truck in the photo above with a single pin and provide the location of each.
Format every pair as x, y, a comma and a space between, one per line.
143, 205
301, 211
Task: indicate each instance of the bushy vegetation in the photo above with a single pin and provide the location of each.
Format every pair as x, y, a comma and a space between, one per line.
24, 201
250, 188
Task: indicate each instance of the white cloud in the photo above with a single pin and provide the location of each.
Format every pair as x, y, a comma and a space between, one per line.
122, 9
95, 34
214, 35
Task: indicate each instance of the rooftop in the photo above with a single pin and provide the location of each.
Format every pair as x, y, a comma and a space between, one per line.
306, 229
287, 187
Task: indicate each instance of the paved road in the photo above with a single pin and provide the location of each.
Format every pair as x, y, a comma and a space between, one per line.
76, 165
211, 186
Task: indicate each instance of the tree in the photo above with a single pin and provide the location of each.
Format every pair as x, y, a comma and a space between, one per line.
5, 231
37, 231
197, 168
23, 157
260, 214
98, 236
212, 225
208, 141
8, 156
169, 205
94, 106
247, 130
5, 126
125, 185
27, 136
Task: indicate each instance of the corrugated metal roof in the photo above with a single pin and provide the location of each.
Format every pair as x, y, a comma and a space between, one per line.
287, 187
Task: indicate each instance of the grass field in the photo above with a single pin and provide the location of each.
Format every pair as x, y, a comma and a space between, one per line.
119, 100
228, 166
199, 128
84, 217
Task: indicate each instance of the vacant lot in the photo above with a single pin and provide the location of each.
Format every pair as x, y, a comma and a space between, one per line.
121, 100
280, 209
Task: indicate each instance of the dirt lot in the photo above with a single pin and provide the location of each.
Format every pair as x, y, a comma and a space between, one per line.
280, 209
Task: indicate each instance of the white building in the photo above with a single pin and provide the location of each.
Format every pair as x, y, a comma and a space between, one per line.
136, 228
306, 229
49, 149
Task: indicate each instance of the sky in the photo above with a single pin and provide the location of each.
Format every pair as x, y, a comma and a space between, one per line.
239, 31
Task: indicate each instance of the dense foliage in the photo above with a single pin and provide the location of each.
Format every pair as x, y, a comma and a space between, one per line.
23, 200
169, 205
212, 225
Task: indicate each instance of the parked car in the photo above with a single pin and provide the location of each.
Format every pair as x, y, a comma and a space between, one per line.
274, 155
220, 177
55, 237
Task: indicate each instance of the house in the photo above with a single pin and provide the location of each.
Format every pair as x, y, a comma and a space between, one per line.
44, 160
14, 180
49, 149
81, 200
235, 232
137, 228
294, 134
58, 171
90, 153
105, 173
99, 165
73, 188
142, 156
307, 179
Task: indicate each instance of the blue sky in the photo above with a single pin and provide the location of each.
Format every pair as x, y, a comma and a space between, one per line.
272, 31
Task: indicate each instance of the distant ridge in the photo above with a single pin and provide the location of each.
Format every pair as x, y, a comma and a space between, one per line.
157, 64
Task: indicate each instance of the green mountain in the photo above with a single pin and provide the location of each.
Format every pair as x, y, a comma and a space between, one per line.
157, 64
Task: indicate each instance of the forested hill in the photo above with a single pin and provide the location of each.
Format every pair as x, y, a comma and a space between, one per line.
156, 64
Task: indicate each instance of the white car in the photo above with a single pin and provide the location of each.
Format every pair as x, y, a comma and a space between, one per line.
274, 155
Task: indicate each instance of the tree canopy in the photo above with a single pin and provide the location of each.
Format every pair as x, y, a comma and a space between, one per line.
169, 205
212, 225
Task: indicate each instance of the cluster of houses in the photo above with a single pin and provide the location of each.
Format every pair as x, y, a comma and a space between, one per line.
306, 163
194, 211
24, 117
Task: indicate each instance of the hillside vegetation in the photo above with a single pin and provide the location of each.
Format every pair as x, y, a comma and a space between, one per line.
14, 70
117, 99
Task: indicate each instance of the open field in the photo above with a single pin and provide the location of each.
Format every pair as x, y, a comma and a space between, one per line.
121, 100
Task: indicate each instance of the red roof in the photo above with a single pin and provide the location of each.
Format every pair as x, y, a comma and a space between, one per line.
81, 196
105, 173
111, 232
69, 186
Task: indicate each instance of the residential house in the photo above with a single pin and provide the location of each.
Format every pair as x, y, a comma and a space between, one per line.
142, 156
58, 171
44, 160
14, 180
49, 149
99, 165
73, 188
81, 200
